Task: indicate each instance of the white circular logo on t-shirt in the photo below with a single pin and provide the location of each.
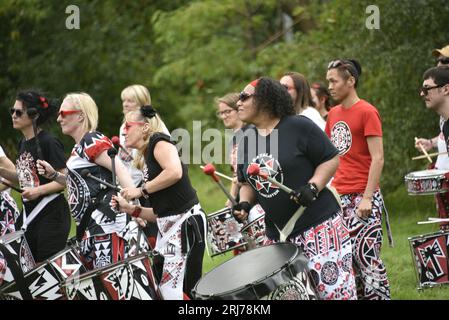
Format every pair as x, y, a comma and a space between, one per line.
341, 137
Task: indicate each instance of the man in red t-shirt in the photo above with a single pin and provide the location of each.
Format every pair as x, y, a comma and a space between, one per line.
355, 128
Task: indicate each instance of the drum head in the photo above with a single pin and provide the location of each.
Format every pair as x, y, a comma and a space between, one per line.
246, 268
426, 173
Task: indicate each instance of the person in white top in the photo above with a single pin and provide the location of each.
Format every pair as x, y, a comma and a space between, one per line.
299, 89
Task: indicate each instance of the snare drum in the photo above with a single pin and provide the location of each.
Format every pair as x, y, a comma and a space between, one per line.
129, 279
16, 243
431, 259
223, 232
255, 231
273, 272
44, 281
427, 182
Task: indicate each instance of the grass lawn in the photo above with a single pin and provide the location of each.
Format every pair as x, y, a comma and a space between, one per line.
404, 212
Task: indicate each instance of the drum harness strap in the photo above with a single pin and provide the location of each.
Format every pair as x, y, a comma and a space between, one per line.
17, 273
37, 209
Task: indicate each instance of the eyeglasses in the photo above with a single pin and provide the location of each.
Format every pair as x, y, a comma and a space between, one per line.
64, 113
226, 112
244, 96
443, 60
426, 90
18, 112
129, 124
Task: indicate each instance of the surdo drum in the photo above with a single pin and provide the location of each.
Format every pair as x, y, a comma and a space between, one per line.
273, 272
129, 279
44, 281
427, 182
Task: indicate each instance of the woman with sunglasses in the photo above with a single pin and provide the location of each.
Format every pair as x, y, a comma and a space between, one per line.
175, 206
299, 89
45, 212
106, 235
297, 153
8, 207
355, 128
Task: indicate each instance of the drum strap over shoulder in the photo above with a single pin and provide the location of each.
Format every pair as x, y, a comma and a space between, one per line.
17, 273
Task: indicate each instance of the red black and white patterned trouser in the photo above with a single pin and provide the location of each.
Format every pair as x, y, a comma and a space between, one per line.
366, 235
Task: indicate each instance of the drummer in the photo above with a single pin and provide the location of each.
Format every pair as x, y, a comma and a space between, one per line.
175, 205
295, 151
435, 93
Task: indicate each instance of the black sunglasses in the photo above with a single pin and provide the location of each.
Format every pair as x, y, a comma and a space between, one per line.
18, 112
244, 96
426, 90
443, 60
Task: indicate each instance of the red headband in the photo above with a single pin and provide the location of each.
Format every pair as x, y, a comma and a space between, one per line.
254, 83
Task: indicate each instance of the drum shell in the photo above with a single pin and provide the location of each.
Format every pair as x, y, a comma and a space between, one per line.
427, 182
101, 281
433, 247
44, 281
269, 286
223, 232
16, 243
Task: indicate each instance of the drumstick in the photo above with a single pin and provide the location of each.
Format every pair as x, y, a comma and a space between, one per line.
435, 154
220, 174
254, 170
10, 186
209, 169
433, 221
423, 150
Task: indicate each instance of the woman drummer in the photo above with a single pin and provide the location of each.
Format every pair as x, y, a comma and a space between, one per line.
106, 235
175, 206
45, 214
296, 152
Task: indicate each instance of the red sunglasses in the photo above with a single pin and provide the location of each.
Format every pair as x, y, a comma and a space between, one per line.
129, 124
64, 113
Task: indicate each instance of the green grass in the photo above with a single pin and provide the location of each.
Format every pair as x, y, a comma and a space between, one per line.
405, 211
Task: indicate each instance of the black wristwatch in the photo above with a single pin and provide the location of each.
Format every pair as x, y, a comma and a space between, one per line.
144, 191
314, 189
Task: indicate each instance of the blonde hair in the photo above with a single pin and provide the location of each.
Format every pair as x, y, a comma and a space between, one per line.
137, 93
155, 125
84, 102
229, 99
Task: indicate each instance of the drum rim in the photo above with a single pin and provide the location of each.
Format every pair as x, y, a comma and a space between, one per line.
221, 211
288, 262
10, 235
436, 233
246, 226
437, 173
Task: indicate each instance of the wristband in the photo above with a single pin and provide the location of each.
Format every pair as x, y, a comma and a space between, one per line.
144, 192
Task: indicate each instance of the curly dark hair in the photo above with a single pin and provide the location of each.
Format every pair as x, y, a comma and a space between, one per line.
271, 97
34, 101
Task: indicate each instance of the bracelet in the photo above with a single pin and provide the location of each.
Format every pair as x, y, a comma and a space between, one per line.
136, 212
144, 192
54, 175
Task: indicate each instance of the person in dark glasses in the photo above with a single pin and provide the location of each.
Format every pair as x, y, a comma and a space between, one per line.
438, 142
296, 152
105, 235
299, 89
355, 128
45, 212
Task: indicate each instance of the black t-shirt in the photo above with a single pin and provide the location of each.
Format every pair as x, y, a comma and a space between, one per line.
289, 154
175, 199
53, 153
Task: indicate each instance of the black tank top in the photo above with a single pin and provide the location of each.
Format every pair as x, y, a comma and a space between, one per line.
175, 199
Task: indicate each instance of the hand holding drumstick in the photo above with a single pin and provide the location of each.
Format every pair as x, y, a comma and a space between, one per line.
419, 144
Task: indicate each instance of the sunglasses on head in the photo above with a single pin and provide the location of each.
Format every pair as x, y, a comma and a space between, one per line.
443, 60
18, 112
339, 63
64, 113
244, 96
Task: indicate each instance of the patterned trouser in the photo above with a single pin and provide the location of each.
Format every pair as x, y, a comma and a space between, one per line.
366, 236
173, 271
3, 267
102, 250
8, 213
327, 246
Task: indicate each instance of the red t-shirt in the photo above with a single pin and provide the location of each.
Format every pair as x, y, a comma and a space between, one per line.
348, 129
